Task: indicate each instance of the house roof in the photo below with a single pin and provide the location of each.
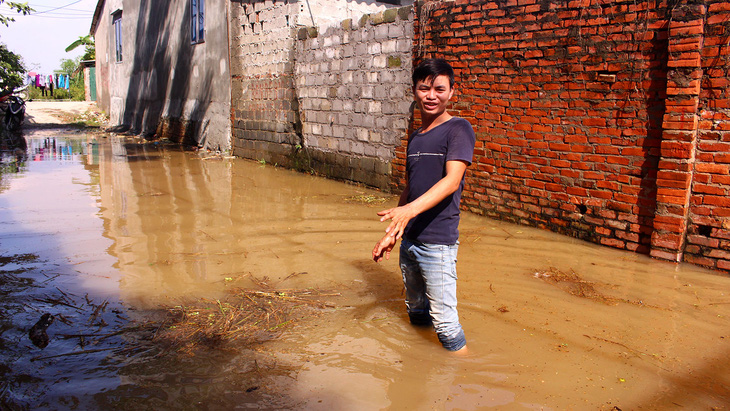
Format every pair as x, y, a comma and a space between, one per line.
97, 14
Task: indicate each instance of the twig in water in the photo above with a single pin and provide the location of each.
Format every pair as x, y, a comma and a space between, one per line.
68, 354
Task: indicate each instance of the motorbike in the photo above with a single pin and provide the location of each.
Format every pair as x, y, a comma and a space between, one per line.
14, 107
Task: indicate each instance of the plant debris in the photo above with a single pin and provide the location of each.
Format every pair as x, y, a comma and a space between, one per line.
573, 284
246, 317
366, 199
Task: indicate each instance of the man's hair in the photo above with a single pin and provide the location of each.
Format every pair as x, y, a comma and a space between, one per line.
432, 68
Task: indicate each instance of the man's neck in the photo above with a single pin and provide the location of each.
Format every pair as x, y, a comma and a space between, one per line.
429, 123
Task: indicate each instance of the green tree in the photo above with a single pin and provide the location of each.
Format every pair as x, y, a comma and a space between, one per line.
11, 69
11, 64
21, 8
86, 41
69, 66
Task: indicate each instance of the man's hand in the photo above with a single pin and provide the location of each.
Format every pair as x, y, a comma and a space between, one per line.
383, 248
399, 216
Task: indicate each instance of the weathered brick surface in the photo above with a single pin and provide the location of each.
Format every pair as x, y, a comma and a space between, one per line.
263, 101
606, 121
354, 90
333, 98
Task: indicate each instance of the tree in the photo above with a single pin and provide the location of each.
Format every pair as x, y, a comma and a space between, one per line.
11, 69
86, 41
22, 8
69, 66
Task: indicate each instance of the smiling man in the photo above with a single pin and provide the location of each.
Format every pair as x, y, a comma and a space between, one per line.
427, 215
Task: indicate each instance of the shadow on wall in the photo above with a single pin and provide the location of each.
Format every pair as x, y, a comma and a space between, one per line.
160, 98
656, 107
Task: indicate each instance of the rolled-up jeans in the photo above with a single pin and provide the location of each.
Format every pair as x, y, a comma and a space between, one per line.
429, 275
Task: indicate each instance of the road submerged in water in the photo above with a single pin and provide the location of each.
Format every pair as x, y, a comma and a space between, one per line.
124, 241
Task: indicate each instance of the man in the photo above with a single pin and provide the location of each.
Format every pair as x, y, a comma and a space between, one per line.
427, 215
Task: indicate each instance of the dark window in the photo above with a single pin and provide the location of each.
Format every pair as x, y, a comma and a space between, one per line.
117, 23
197, 21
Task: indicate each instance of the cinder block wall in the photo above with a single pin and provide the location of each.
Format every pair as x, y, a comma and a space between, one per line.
354, 90
264, 112
603, 121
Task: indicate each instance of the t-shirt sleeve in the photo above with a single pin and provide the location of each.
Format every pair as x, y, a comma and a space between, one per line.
461, 142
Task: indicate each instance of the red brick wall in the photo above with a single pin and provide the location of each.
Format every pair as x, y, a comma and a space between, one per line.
708, 239
587, 116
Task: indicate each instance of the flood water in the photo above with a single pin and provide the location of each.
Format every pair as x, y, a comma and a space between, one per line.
102, 231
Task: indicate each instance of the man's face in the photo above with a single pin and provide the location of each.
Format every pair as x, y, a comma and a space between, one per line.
433, 94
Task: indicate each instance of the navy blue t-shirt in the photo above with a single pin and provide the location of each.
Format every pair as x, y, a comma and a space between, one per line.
426, 164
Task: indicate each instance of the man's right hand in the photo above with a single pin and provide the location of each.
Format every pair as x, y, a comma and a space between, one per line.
383, 248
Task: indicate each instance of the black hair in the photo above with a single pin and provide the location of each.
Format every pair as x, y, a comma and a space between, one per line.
432, 68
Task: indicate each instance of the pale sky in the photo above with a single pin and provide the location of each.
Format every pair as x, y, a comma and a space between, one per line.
42, 37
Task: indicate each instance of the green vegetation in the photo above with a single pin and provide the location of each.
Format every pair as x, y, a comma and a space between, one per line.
88, 42
21, 8
11, 69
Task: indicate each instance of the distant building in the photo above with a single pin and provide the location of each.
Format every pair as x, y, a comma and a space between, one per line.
162, 68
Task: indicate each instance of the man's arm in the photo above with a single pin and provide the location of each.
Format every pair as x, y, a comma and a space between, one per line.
402, 214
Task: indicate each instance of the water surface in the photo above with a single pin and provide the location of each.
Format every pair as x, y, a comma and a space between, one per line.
551, 322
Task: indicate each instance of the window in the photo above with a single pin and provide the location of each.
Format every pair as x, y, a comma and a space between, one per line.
117, 24
197, 21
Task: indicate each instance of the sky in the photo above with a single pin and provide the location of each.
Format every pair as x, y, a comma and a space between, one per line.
41, 38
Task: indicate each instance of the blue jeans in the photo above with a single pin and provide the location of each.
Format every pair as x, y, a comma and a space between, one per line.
429, 275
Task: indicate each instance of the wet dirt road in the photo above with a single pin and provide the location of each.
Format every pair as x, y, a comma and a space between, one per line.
101, 231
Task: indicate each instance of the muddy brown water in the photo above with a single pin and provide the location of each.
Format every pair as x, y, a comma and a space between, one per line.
90, 220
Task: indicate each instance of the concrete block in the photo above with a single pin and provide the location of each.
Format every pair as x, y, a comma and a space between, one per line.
390, 15
389, 46
374, 107
343, 146
377, 18
404, 46
368, 122
370, 152
381, 32
385, 154
405, 13
394, 62
364, 20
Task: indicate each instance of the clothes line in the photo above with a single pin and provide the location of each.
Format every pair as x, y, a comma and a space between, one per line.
49, 81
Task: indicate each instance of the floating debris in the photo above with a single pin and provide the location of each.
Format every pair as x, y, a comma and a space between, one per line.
573, 284
37, 334
246, 317
367, 199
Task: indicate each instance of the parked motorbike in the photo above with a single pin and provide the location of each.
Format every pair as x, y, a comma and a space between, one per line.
14, 107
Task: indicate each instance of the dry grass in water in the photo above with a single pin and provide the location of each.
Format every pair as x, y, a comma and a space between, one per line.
366, 199
246, 317
573, 284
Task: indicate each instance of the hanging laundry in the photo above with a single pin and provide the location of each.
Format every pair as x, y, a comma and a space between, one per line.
37, 80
